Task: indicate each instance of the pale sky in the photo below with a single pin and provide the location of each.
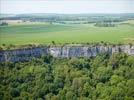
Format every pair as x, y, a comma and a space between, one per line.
66, 6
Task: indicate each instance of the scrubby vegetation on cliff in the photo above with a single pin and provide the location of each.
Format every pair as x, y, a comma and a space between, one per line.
102, 77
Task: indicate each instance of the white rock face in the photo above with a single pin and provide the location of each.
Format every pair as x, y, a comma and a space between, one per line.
65, 51
131, 51
55, 51
62, 52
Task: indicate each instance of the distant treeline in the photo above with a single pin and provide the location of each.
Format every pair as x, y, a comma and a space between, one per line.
105, 23
70, 17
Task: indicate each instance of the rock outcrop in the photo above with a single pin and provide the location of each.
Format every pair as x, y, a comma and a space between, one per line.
20, 55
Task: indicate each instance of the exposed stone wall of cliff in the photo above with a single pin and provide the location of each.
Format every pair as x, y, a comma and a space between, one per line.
62, 52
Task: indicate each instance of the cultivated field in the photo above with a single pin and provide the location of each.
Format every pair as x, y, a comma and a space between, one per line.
21, 33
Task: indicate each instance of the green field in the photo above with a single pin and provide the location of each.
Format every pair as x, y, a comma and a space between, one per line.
19, 34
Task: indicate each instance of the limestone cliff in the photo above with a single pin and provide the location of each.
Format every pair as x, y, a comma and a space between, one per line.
27, 54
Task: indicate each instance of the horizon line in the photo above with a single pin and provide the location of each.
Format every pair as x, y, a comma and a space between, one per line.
70, 13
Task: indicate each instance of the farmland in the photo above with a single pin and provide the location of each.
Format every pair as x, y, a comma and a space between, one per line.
76, 28
80, 33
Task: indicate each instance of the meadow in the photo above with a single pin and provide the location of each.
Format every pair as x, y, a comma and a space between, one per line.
43, 33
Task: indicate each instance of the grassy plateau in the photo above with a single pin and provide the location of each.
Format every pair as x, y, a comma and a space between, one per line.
42, 33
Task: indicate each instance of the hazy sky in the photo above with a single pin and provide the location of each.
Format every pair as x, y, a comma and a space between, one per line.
66, 6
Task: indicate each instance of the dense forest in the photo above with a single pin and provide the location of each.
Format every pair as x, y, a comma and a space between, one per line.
102, 77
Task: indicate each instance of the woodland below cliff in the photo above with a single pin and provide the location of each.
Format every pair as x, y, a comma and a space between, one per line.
105, 77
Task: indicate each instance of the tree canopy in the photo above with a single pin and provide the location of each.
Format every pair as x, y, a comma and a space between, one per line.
47, 78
